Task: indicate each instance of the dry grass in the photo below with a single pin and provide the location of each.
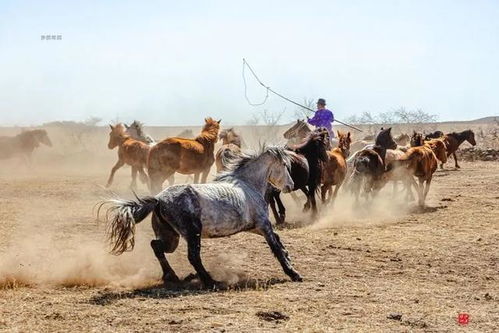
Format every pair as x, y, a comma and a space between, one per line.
359, 266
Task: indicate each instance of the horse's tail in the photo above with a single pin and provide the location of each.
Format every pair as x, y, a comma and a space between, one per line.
122, 217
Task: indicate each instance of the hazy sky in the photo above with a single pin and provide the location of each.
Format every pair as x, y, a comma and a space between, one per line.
174, 62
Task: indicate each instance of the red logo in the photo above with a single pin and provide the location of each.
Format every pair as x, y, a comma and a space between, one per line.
463, 318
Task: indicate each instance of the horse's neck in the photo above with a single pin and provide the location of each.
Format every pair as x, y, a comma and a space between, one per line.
255, 176
381, 151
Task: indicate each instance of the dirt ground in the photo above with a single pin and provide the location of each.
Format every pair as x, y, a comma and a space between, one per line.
388, 267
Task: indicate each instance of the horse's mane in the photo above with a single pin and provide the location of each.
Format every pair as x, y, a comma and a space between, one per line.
209, 132
139, 127
240, 162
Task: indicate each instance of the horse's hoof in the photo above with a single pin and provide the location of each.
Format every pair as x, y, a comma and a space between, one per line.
296, 278
170, 278
215, 285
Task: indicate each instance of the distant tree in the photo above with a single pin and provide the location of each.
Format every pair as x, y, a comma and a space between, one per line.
302, 113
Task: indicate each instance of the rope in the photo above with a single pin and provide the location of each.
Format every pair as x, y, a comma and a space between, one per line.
246, 64
246, 88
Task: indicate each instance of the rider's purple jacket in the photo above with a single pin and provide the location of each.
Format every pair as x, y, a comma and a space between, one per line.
323, 118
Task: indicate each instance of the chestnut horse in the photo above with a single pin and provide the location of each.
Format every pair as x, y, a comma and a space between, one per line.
185, 156
131, 151
230, 149
23, 144
335, 169
421, 162
454, 140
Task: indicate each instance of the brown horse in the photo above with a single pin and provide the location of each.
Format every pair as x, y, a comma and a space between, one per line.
422, 163
335, 169
185, 156
23, 144
438, 146
230, 149
454, 140
297, 133
131, 151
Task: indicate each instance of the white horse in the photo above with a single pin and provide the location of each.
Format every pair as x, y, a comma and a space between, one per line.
233, 203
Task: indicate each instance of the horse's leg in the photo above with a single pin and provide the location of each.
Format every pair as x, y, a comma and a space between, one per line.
420, 192
118, 165
269, 197
265, 228
194, 256
306, 207
427, 188
324, 190
204, 176
335, 193
455, 160
282, 209
133, 185
196, 178
156, 179
143, 176
166, 242
311, 193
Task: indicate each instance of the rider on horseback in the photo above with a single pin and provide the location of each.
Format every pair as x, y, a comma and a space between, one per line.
322, 117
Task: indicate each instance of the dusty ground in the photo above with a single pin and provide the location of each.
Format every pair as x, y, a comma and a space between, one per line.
359, 268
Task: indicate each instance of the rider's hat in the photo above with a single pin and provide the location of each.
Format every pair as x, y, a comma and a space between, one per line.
321, 101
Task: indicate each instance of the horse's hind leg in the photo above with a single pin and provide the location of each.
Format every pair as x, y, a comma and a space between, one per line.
166, 242
278, 249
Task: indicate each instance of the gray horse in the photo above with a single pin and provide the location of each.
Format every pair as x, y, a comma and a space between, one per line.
233, 203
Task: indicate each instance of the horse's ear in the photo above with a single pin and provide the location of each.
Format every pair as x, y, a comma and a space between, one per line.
389, 129
219, 121
111, 126
382, 129
127, 126
348, 135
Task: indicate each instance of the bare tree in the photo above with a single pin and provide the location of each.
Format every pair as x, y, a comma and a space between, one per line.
302, 113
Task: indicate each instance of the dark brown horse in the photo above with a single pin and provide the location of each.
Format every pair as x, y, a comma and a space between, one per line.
23, 144
230, 149
454, 140
186, 156
130, 151
434, 135
335, 169
369, 165
306, 172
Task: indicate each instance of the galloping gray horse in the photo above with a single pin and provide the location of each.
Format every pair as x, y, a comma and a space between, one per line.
233, 203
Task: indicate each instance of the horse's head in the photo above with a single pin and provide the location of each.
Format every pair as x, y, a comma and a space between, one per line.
229, 136
384, 139
403, 139
417, 139
299, 130
42, 137
440, 150
211, 128
315, 145
470, 137
344, 141
279, 166
118, 132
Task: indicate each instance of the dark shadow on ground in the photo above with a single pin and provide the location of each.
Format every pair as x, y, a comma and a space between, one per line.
190, 286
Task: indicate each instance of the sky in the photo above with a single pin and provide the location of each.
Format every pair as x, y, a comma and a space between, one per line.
176, 62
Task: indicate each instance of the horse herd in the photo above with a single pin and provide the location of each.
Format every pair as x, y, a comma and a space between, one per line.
247, 184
